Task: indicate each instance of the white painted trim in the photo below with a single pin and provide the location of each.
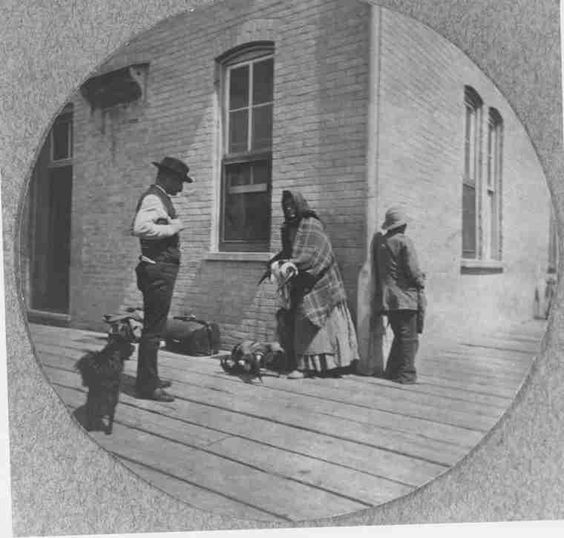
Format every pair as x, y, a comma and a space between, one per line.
244, 189
481, 264
238, 256
222, 140
55, 316
216, 153
370, 340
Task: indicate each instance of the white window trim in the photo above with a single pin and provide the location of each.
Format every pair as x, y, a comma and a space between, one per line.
484, 261
250, 107
223, 67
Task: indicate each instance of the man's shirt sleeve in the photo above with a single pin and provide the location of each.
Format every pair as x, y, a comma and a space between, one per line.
145, 223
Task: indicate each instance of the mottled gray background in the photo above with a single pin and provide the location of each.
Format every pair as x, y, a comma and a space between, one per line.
61, 481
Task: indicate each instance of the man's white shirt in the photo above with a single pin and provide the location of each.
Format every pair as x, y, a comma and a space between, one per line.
145, 223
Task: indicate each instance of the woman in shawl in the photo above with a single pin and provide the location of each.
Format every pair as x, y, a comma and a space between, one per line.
321, 330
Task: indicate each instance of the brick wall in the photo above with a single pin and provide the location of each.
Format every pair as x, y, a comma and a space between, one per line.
321, 60
319, 148
420, 165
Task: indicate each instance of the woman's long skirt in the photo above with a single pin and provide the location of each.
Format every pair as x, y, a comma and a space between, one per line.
320, 350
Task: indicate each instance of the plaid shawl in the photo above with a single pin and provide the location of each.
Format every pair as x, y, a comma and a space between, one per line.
318, 286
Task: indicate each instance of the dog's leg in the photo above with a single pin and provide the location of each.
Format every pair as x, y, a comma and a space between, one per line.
113, 401
90, 412
110, 427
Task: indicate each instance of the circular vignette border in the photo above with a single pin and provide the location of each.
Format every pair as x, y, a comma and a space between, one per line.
514, 474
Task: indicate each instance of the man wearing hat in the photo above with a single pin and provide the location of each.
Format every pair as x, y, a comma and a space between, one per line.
398, 287
157, 226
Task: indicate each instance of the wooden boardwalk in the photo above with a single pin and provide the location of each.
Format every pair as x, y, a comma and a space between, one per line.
292, 450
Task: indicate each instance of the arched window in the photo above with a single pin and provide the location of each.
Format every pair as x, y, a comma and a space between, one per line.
247, 85
471, 179
492, 209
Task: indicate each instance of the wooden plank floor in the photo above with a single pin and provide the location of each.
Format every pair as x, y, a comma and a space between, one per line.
292, 450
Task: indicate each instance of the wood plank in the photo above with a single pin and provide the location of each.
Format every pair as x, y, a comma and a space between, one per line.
447, 392
282, 498
94, 342
357, 486
85, 340
137, 418
451, 371
532, 339
337, 389
391, 408
473, 382
451, 416
531, 342
327, 388
478, 361
292, 437
318, 410
496, 349
275, 495
476, 423
433, 380
482, 355
477, 376
512, 376
181, 489
195, 496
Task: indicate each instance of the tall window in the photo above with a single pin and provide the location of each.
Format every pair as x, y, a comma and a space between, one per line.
471, 179
492, 215
248, 84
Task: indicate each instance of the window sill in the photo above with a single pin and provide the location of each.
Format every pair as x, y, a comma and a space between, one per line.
238, 256
48, 318
481, 267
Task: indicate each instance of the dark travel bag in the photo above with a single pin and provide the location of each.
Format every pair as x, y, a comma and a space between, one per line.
192, 336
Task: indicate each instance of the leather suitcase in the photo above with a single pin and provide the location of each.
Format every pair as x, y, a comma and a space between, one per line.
192, 336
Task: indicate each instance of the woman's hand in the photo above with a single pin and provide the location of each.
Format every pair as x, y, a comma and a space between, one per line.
288, 270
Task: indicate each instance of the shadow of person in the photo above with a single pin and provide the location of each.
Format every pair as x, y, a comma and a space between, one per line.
127, 385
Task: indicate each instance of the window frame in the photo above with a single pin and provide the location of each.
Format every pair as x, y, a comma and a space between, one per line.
487, 256
65, 117
473, 105
493, 187
249, 54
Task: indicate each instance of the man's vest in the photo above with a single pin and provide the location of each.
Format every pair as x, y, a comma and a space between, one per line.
164, 250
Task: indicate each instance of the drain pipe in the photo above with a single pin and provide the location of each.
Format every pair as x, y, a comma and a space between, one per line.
370, 337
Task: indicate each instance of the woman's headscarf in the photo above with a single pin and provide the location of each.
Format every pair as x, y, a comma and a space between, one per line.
290, 226
300, 203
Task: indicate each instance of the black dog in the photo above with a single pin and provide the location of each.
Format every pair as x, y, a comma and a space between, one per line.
249, 357
101, 373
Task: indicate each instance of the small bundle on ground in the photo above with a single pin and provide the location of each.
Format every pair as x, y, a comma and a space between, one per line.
248, 358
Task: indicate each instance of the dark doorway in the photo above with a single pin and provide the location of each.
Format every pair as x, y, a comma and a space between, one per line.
50, 220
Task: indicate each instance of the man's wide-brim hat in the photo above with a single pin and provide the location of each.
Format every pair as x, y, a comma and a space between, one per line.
176, 167
395, 217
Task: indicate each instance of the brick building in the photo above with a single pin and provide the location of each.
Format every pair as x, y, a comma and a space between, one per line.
356, 106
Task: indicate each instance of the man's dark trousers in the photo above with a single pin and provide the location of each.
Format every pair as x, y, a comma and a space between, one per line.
401, 361
156, 283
